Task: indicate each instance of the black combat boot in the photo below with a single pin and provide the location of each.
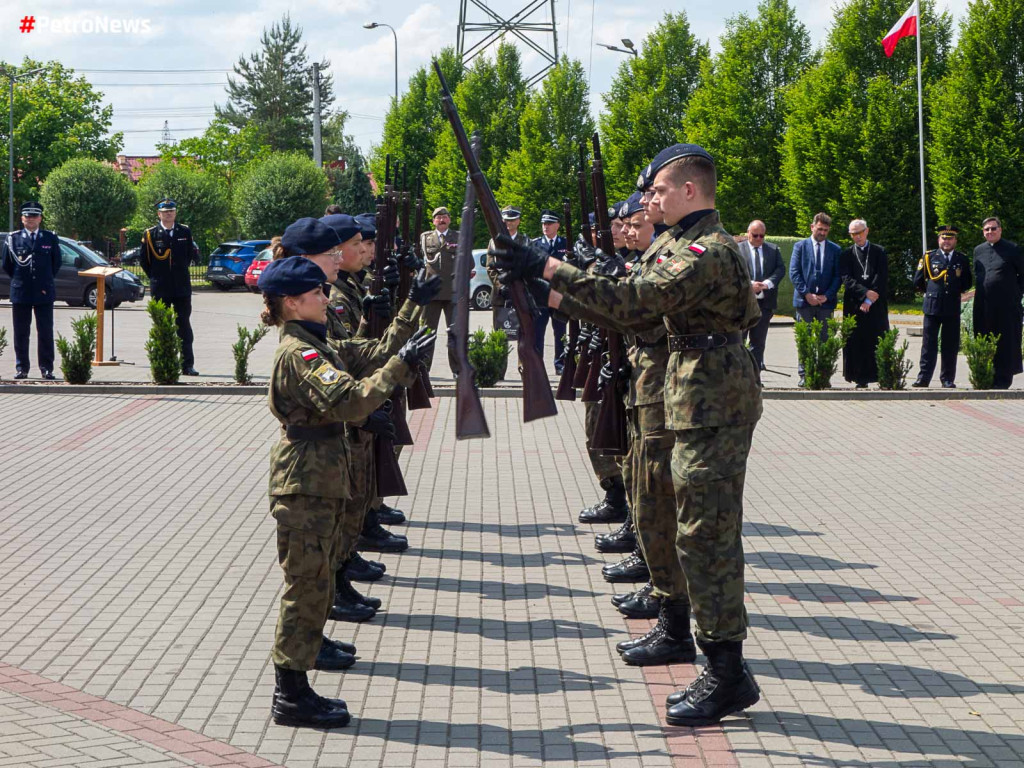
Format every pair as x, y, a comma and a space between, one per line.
346, 605
622, 539
622, 597
632, 568
389, 515
296, 704
364, 570
378, 539
725, 686
642, 604
635, 642
613, 508
343, 583
332, 658
674, 645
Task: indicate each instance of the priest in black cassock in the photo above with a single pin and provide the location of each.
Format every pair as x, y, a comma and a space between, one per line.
864, 271
999, 286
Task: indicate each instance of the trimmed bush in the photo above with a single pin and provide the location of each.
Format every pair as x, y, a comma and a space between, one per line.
820, 357
87, 199
786, 287
277, 191
893, 365
980, 350
247, 341
76, 356
488, 354
163, 346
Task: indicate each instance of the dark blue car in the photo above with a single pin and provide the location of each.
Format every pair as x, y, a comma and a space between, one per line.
229, 261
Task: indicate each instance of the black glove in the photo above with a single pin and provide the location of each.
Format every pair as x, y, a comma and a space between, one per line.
409, 260
379, 424
418, 348
391, 275
609, 265
424, 289
378, 305
582, 253
521, 262
540, 290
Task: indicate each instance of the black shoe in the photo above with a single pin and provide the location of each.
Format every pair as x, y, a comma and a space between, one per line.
861, 386
347, 609
920, 384
390, 516
21, 375
633, 568
634, 642
48, 375
673, 645
363, 570
642, 605
331, 658
378, 539
341, 645
724, 687
622, 539
190, 371
345, 592
298, 706
612, 509
948, 385
622, 597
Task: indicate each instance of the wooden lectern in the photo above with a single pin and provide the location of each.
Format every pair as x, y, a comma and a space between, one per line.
101, 274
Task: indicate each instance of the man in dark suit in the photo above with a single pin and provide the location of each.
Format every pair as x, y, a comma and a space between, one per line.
999, 271
814, 272
167, 251
766, 272
943, 275
32, 259
555, 245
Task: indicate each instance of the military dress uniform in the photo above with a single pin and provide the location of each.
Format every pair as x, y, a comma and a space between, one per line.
439, 252
943, 277
32, 259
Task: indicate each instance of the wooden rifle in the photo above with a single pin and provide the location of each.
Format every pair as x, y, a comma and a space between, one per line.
470, 421
419, 392
610, 433
586, 356
566, 391
538, 400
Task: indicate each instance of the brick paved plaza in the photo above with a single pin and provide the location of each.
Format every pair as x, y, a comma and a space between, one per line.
139, 588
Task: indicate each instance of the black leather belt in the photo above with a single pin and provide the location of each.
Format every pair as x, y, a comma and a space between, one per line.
644, 344
703, 341
314, 432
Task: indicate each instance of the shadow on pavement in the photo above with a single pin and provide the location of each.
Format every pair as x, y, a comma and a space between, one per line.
510, 560
496, 629
492, 590
520, 681
770, 530
824, 593
845, 628
790, 561
511, 531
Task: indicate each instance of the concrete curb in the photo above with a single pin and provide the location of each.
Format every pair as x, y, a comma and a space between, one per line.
191, 390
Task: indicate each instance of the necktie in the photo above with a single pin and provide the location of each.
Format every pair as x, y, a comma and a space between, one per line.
817, 248
758, 267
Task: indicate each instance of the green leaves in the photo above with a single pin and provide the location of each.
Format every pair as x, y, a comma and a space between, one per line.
893, 365
488, 354
980, 350
241, 349
163, 346
820, 356
87, 200
77, 354
279, 190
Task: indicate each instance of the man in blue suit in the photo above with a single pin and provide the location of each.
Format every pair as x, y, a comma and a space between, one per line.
32, 258
814, 270
554, 244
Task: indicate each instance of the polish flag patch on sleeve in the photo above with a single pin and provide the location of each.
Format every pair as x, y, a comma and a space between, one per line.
697, 248
310, 354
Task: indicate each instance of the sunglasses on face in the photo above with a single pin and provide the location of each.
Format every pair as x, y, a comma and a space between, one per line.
990, 229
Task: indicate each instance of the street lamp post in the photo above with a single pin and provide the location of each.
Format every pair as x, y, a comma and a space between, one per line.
374, 25
630, 48
10, 142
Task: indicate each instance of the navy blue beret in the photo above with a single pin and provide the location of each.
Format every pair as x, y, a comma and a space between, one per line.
291, 277
632, 205
665, 157
308, 236
344, 226
367, 225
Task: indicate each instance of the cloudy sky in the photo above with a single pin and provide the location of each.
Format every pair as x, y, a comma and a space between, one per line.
198, 35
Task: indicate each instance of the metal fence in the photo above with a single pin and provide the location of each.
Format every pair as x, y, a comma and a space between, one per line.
196, 272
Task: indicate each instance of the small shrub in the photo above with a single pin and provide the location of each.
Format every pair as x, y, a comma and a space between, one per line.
820, 357
76, 356
3, 341
980, 350
247, 341
893, 365
488, 354
967, 317
163, 346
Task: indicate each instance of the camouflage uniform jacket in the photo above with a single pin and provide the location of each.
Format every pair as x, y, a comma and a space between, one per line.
697, 284
648, 363
309, 387
347, 300
363, 356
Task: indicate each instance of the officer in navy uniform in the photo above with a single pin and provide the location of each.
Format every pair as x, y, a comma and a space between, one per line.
32, 258
167, 250
555, 245
943, 274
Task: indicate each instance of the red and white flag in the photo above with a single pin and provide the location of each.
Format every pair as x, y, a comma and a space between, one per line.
905, 27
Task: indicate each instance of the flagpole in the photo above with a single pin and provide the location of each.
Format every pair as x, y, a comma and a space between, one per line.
920, 128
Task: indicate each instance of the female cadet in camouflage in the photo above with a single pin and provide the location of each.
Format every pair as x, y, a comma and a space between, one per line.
312, 396
699, 289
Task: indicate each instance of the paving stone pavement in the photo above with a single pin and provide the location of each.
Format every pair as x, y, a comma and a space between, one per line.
139, 594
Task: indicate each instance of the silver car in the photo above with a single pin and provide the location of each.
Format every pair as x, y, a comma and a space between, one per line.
480, 282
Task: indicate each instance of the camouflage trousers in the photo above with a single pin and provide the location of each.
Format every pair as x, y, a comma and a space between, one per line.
308, 538
605, 467
653, 499
362, 487
709, 466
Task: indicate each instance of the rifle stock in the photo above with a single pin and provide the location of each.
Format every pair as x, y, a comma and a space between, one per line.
566, 390
592, 385
386, 470
538, 400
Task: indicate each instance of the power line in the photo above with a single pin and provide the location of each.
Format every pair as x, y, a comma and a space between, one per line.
151, 71
161, 130
153, 85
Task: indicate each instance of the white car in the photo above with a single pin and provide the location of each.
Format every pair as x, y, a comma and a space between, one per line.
479, 282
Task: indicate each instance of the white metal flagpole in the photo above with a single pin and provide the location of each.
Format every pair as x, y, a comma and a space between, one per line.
920, 128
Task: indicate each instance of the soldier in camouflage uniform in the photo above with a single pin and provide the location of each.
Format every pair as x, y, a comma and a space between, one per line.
312, 396
699, 289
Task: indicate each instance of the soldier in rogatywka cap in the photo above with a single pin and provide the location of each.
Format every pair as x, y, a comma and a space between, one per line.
439, 247
699, 291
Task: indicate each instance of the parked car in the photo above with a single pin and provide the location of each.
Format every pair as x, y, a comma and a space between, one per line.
252, 274
229, 262
130, 258
76, 290
480, 287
